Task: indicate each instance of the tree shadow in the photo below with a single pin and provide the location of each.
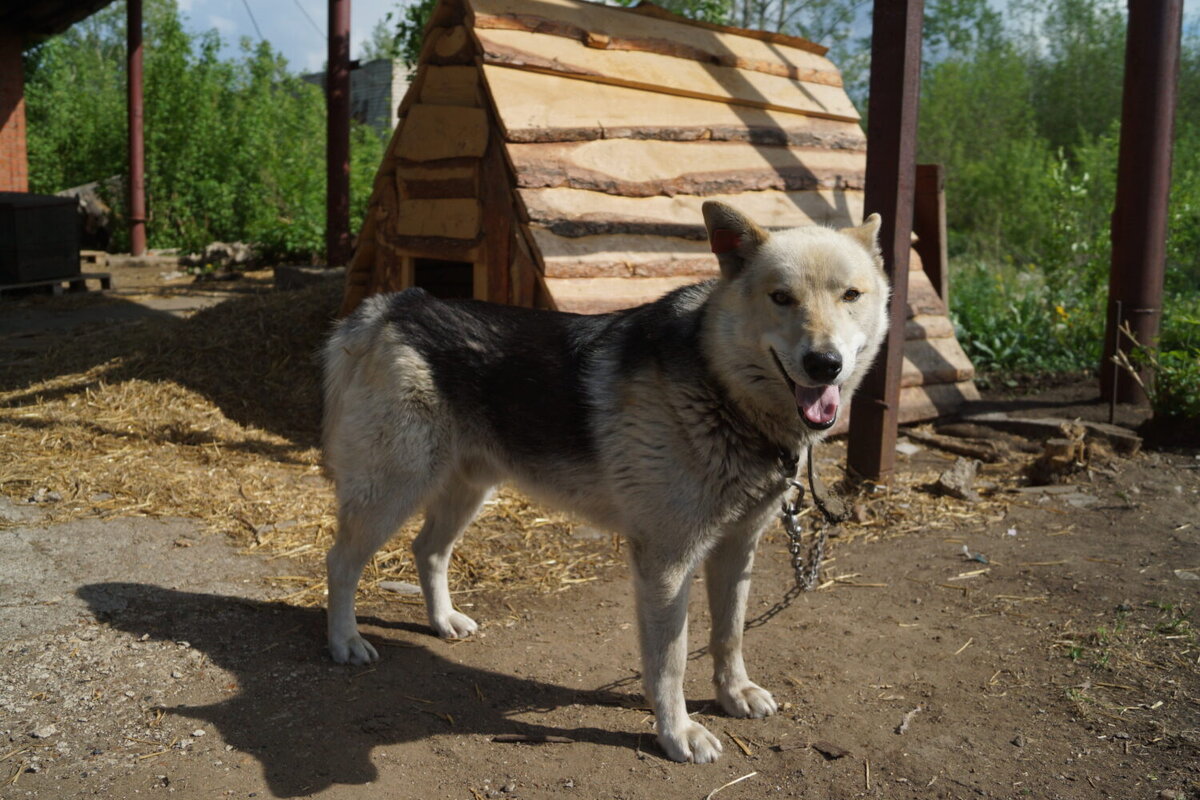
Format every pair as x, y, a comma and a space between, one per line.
311, 723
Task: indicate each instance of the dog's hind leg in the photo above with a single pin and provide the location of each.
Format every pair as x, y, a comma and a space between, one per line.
661, 580
363, 528
450, 511
727, 574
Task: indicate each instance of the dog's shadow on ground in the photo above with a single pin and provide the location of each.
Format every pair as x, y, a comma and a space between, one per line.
312, 723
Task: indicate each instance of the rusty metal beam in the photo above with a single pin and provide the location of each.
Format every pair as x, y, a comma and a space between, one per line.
1139, 221
137, 140
891, 177
337, 138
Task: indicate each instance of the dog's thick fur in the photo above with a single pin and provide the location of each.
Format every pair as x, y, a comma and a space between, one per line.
665, 422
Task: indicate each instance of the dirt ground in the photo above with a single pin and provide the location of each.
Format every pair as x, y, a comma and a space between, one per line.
1039, 644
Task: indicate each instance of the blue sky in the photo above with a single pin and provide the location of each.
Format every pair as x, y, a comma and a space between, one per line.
286, 24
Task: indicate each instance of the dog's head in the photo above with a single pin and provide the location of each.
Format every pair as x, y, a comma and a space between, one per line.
809, 308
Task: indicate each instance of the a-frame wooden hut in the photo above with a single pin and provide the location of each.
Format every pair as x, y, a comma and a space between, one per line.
555, 153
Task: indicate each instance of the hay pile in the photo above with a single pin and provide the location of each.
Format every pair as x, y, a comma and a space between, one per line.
216, 418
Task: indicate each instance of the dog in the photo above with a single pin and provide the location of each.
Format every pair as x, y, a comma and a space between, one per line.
668, 423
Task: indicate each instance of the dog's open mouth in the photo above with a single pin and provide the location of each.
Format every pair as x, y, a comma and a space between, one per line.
817, 405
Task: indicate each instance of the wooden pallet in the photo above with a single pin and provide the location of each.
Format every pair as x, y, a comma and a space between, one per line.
72, 284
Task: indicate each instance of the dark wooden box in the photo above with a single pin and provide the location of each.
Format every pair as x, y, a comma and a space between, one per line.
39, 237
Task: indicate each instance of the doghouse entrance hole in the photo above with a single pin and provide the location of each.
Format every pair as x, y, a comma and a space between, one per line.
445, 279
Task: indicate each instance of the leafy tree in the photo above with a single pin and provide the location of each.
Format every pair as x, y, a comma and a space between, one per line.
234, 148
382, 42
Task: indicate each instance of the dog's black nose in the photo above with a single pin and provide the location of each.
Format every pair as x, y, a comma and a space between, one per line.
822, 366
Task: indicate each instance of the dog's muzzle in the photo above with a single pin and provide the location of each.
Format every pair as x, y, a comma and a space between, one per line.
817, 405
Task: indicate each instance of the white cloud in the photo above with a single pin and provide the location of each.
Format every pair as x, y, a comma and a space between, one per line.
228, 29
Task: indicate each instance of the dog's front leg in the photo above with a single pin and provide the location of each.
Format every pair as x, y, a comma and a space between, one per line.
727, 573
662, 595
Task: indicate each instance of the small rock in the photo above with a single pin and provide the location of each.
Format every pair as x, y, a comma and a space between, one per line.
1172, 794
907, 448
508, 788
1187, 575
831, 751
1019, 740
198, 733
176, 674
44, 732
958, 481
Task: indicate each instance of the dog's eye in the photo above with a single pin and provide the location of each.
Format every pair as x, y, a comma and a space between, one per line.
850, 295
781, 298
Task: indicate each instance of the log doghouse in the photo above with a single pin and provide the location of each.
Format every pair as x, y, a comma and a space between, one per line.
555, 154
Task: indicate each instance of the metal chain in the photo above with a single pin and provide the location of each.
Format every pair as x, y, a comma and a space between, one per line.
805, 570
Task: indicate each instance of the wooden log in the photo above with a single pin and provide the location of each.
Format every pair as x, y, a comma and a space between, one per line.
457, 218
612, 28
433, 179
647, 168
435, 247
651, 10
930, 361
1122, 440
535, 107
448, 45
601, 295
658, 73
918, 403
988, 452
928, 326
496, 199
922, 299
623, 256
573, 212
524, 277
455, 85
432, 133
447, 13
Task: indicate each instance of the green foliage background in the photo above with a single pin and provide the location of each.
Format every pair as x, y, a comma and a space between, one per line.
1024, 112
235, 149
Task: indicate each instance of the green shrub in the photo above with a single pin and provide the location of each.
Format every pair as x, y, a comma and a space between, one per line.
235, 149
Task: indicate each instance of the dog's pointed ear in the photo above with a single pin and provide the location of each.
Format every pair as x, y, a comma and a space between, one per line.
732, 235
867, 234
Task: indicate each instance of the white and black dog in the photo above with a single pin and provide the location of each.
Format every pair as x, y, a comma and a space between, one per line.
664, 422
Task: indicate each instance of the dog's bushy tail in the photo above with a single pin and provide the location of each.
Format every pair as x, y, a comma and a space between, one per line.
340, 359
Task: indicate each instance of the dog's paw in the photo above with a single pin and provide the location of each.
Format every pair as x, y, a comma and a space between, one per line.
747, 700
692, 742
353, 649
454, 626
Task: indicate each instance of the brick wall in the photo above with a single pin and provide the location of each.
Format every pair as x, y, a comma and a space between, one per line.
14, 164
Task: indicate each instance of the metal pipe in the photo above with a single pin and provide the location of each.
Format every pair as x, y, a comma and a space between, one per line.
1139, 221
137, 141
891, 183
337, 141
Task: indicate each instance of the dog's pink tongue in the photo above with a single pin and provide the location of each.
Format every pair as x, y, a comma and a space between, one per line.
819, 405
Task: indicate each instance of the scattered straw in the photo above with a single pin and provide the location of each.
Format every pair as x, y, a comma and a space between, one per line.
713, 793
216, 418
